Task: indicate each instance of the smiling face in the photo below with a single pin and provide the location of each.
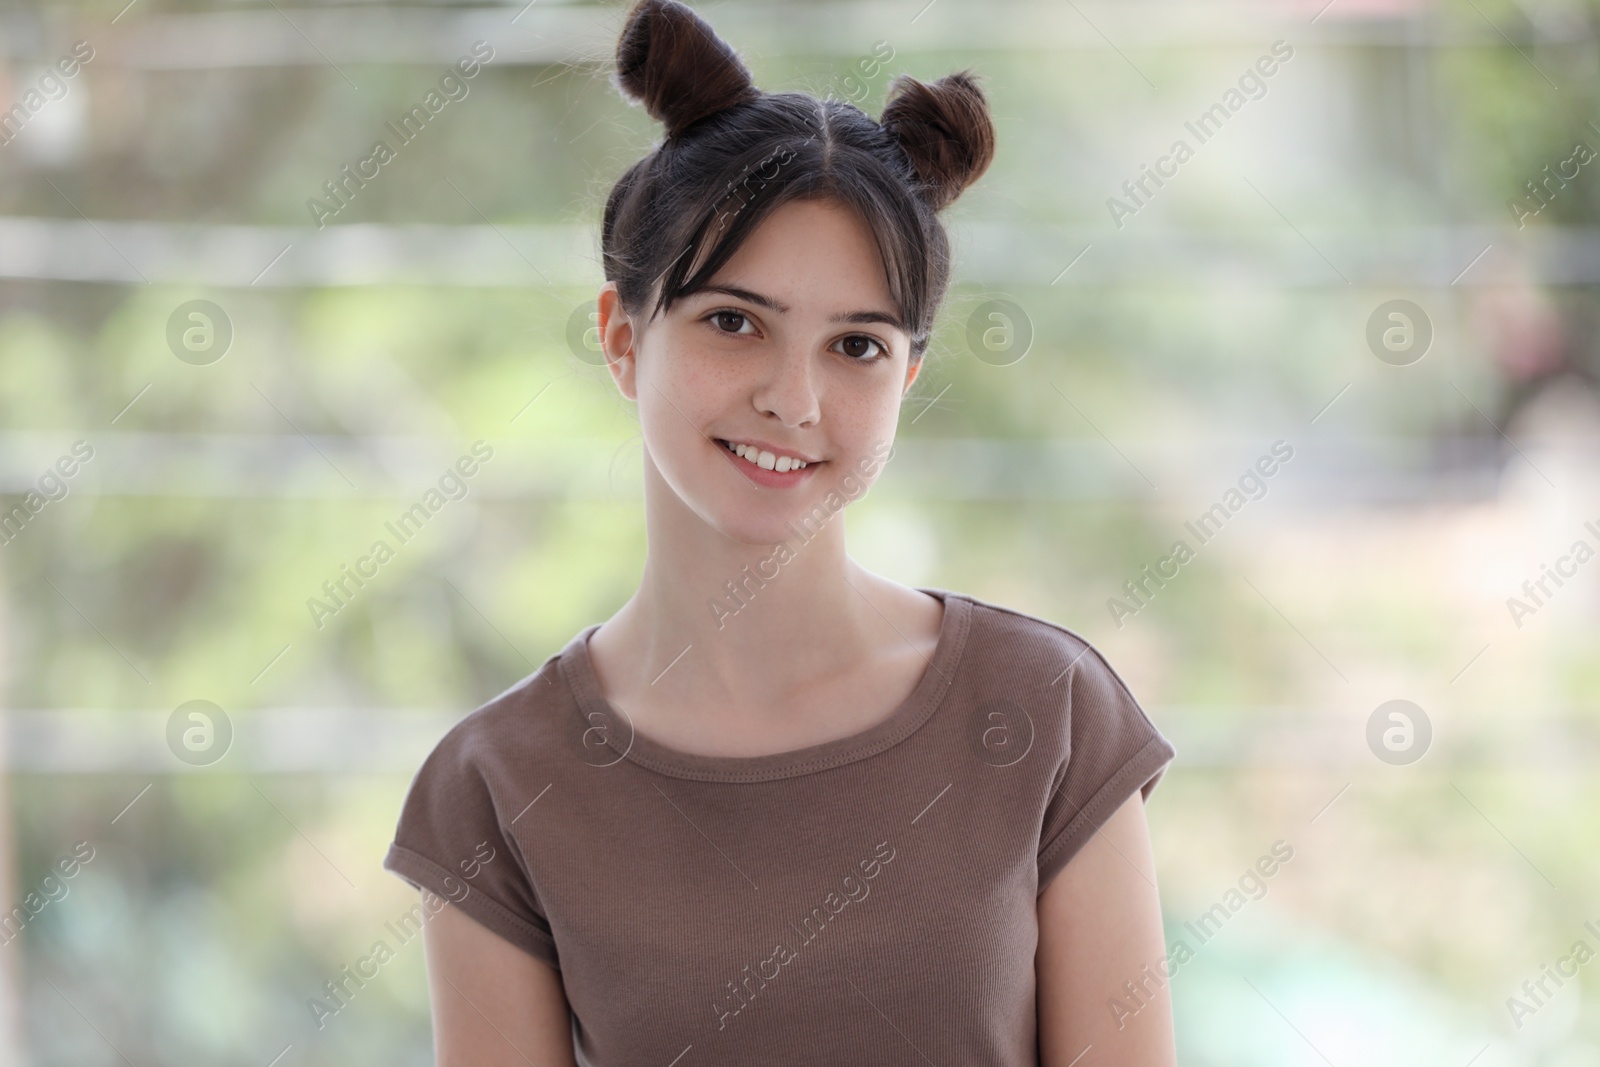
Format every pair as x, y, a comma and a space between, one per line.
796, 350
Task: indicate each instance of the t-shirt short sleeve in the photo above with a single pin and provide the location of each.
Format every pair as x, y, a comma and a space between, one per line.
451, 840
1114, 751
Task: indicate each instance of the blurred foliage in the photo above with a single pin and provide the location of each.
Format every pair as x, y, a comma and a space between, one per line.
222, 901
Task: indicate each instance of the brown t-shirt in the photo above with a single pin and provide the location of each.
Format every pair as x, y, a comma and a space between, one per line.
872, 899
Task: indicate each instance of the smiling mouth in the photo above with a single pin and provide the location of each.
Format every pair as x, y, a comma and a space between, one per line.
765, 460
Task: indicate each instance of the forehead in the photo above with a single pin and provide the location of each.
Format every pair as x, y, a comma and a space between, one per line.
816, 256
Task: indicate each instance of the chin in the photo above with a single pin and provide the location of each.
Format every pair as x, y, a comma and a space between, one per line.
757, 522
765, 530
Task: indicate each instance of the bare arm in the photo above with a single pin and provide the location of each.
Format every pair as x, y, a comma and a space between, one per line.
1099, 927
494, 1005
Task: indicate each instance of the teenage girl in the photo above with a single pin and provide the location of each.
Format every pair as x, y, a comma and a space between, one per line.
778, 809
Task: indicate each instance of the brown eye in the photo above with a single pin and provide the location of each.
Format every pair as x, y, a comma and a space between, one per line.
728, 321
861, 348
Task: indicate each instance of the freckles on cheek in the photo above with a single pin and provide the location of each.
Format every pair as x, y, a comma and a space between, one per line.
686, 396
879, 416
703, 385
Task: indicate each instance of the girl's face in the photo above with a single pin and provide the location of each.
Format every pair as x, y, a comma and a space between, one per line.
796, 349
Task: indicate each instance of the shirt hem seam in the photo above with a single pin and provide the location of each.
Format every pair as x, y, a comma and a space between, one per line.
1142, 766
423, 872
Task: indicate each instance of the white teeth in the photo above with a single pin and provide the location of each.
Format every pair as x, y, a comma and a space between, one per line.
766, 460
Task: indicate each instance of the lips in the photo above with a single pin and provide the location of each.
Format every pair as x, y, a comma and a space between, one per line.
750, 464
768, 456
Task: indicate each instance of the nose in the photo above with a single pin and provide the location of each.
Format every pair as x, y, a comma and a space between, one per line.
787, 391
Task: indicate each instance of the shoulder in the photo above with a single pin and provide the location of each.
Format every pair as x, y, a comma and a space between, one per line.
504, 735
1009, 639
1052, 671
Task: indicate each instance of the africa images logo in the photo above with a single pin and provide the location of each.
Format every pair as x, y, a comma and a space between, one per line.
742, 991
1252, 85
341, 590
342, 188
805, 530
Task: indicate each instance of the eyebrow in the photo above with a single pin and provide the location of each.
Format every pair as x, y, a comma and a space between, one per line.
854, 317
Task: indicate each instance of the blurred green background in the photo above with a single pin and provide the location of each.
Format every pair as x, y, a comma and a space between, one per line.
1142, 361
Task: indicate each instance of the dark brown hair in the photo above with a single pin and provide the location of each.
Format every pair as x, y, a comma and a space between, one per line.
732, 154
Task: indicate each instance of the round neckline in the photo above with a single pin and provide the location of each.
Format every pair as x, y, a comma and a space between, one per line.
925, 697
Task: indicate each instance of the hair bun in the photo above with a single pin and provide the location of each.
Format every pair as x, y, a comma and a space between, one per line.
671, 61
944, 129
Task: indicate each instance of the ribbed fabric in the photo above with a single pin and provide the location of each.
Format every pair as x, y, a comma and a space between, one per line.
870, 900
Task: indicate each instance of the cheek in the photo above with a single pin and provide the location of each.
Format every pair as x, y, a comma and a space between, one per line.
867, 423
694, 380
681, 393
682, 363
863, 412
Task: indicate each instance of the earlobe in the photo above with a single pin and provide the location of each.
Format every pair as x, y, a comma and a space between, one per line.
622, 372
616, 339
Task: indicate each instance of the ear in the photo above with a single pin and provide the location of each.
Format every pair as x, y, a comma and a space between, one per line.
911, 375
617, 340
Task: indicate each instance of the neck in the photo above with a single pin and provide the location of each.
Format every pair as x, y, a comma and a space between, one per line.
759, 622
